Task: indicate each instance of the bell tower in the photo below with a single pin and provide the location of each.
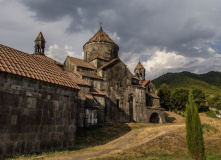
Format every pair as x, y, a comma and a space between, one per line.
40, 44
139, 71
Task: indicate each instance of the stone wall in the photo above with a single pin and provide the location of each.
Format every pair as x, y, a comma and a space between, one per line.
35, 116
131, 98
98, 62
107, 50
100, 99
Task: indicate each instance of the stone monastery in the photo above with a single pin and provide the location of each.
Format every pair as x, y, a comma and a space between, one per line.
43, 102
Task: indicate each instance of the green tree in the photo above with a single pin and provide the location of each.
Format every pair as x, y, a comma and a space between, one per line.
179, 99
194, 133
215, 102
200, 100
164, 94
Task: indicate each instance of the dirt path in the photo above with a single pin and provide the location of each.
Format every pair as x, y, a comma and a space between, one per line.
132, 139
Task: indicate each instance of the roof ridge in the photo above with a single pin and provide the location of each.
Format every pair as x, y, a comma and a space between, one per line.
82, 63
15, 49
106, 64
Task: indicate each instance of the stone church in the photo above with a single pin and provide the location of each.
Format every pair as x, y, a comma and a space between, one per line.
43, 102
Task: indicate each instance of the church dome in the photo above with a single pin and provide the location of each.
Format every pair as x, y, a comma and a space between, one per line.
100, 45
101, 36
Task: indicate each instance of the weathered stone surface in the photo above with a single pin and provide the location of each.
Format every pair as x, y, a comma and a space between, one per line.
107, 50
30, 120
127, 97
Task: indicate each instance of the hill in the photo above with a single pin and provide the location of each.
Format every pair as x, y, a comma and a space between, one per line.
209, 83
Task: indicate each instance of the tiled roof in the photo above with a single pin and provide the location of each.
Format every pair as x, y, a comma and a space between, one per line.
81, 63
90, 102
96, 91
99, 57
101, 36
145, 82
40, 37
34, 67
109, 63
77, 80
89, 96
152, 95
139, 65
49, 60
89, 75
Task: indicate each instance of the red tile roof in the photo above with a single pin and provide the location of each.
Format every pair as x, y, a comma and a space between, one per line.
96, 91
48, 59
101, 36
145, 82
109, 63
84, 74
33, 66
81, 63
77, 80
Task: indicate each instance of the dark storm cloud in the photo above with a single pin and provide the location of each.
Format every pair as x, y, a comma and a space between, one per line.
171, 25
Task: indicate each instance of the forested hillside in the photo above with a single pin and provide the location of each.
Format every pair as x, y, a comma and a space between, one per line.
209, 83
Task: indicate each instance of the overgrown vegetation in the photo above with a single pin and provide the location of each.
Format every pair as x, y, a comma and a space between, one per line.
194, 133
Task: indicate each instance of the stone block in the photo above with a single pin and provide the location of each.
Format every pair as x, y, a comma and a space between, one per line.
31, 103
13, 119
15, 137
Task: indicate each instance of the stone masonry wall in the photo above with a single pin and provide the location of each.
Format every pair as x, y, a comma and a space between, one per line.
35, 116
107, 50
119, 88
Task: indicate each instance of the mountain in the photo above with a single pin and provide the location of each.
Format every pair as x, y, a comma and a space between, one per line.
209, 83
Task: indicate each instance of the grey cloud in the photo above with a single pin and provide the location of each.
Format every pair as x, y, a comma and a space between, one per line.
164, 24
183, 27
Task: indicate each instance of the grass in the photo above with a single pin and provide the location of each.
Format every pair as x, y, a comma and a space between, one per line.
211, 114
101, 134
209, 128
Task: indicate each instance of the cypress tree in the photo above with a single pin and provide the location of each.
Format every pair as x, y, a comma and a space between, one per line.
194, 133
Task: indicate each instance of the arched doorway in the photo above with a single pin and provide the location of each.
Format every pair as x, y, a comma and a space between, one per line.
131, 108
155, 118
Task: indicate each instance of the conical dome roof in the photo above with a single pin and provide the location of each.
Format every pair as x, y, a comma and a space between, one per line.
101, 36
139, 66
40, 37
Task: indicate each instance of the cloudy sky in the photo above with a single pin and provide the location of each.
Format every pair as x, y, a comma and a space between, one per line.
166, 35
